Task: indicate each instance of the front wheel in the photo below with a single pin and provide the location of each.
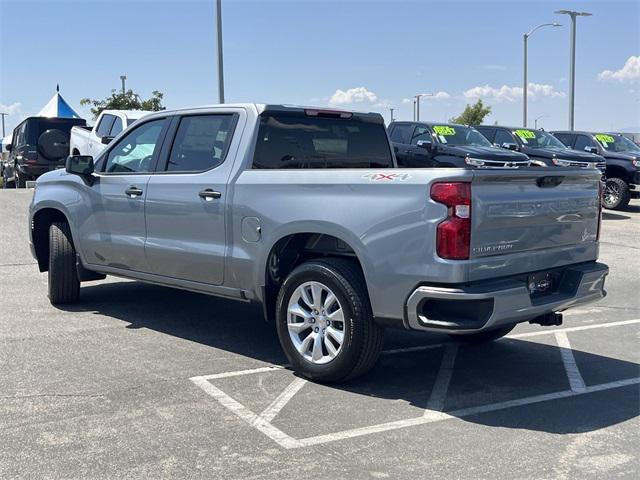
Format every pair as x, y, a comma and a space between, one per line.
324, 321
64, 285
483, 337
616, 194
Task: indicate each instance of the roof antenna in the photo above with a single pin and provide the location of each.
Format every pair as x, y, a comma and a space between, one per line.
58, 88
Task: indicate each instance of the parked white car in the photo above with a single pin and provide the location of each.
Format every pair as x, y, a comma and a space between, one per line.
92, 140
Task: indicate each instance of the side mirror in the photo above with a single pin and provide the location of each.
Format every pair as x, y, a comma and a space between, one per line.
426, 144
81, 165
590, 149
510, 146
8, 146
106, 140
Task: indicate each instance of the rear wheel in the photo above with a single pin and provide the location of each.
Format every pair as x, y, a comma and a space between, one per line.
64, 285
616, 194
324, 320
483, 337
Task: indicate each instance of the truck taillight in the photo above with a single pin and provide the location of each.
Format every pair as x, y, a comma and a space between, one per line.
453, 235
600, 194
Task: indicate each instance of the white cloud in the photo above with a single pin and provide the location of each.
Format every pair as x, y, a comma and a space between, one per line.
352, 95
12, 109
511, 94
407, 100
630, 72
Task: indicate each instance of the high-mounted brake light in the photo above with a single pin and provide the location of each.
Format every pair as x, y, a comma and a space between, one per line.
453, 235
327, 113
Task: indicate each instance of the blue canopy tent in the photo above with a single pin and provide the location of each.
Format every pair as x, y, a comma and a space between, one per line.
58, 107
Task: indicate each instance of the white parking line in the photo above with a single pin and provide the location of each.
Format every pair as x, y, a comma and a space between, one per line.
278, 404
576, 382
441, 385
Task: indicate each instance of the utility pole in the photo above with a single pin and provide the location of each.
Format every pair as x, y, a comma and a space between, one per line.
572, 61
3, 115
391, 110
123, 78
220, 63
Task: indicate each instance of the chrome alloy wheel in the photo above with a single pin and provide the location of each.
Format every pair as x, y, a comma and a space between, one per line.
315, 321
611, 194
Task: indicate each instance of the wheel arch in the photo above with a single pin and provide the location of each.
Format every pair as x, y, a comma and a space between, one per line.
40, 224
291, 248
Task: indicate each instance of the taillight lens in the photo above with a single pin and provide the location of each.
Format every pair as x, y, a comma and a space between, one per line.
453, 235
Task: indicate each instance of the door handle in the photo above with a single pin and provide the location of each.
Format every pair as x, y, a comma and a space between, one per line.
209, 194
133, 192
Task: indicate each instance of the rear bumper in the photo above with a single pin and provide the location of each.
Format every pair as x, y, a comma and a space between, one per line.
489, 304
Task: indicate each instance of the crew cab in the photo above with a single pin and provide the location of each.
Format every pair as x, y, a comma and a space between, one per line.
38, 145
542, 148
303, 211
622, 157
92, 140
424, 144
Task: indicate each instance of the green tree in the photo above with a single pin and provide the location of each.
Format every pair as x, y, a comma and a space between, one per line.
125, 101
473, 114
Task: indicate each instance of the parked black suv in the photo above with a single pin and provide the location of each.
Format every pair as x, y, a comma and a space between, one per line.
542, 148
623, 163
427, 144
38, 145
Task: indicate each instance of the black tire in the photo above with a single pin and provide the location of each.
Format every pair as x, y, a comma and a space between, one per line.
362, 336
64, 286
483, 337
616, 195
19, 180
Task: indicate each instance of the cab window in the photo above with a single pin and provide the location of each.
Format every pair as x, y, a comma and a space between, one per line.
137, 150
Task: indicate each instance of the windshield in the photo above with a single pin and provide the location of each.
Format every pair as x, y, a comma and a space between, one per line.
459, 135
539, 139
616, 143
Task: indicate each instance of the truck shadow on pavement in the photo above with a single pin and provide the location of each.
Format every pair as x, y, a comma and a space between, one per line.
482, 375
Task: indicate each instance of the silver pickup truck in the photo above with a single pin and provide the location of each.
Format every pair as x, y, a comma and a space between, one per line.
304, 211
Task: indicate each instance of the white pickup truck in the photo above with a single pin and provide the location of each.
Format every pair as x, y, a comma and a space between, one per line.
92, 140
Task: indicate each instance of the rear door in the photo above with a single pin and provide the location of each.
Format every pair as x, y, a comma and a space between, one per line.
114, 234
186, 199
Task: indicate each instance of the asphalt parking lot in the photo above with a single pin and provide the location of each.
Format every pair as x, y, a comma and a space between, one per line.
140, 381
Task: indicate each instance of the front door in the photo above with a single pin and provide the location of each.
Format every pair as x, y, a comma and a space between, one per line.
114, 233
185, 203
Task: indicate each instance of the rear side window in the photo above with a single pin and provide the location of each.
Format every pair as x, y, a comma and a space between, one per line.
104, 127
289, 141
201, 143
564, 138
401, 133
489, 133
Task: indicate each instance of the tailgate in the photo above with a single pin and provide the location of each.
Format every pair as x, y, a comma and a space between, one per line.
533, 209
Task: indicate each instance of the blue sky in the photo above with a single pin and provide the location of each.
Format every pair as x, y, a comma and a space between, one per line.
368, 55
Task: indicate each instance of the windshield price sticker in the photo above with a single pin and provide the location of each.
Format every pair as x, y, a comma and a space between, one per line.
601, 137
444, 130
525, 134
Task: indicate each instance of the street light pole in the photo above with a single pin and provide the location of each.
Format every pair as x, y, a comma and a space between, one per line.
391, 111
3, 115
525, 85
123, 78
535, 122
220, 63
417, 103
572, 61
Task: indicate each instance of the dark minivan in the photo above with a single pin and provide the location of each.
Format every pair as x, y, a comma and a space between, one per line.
623, 163
38, 145
429, 144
